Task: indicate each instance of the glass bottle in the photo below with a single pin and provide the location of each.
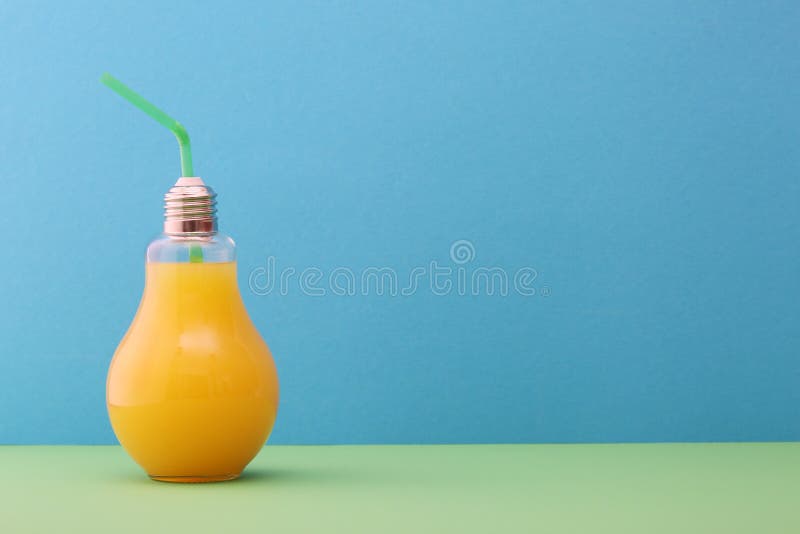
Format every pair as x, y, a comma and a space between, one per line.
192, 390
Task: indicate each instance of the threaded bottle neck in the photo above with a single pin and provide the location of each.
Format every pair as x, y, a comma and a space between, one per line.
190, 209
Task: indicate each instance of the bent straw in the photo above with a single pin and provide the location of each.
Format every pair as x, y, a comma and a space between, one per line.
195, 252
159, 116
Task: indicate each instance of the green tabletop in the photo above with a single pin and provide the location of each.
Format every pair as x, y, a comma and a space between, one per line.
647, 488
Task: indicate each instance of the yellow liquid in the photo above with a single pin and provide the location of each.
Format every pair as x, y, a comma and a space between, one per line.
192, 391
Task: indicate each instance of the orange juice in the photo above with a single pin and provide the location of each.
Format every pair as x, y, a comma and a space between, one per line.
192, 391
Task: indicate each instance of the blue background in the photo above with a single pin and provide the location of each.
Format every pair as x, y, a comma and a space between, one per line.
643, 158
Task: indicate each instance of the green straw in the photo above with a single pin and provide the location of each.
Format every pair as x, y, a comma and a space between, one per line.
195, 254
159, 116
195, 251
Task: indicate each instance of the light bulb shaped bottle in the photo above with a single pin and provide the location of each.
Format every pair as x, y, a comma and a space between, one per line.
192, 390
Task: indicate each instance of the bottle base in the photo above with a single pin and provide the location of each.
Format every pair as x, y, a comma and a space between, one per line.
195, 479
